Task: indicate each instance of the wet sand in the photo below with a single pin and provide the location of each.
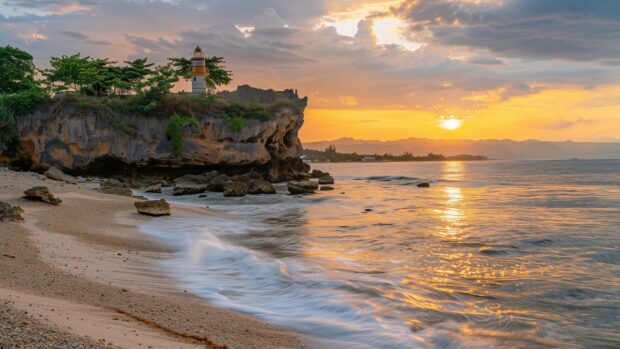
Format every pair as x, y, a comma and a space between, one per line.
81, 275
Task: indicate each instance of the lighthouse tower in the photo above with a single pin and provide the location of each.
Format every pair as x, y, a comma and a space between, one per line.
199, 72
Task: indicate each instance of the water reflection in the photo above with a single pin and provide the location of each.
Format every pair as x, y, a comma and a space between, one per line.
454, 170
452, 214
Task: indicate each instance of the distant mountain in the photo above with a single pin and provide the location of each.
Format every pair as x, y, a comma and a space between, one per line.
494, 149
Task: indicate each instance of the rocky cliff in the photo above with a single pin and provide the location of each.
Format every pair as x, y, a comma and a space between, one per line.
82, 141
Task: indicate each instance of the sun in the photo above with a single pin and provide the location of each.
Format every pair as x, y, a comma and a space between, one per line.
451, 124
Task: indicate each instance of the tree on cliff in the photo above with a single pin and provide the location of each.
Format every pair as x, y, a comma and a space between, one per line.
136, 73
218, 75
16, 70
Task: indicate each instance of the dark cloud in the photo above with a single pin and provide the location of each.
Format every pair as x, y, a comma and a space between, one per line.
550, 29
85, 38
74, 35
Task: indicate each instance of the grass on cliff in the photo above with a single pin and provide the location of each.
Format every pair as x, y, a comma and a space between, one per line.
173, 104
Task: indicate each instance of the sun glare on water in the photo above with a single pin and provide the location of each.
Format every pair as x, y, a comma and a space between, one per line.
451, 124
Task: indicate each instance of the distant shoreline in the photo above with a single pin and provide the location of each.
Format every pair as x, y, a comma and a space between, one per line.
331, 155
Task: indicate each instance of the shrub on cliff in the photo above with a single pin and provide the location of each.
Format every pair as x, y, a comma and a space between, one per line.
236, 123
175, 131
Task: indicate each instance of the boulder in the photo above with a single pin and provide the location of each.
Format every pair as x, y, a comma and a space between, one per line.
156, 188
250, 176
188, 189
302, 176
41, 194
217, 183
260, 186
327, 187
318, 174
111, 183
326, 180
196, 179
58, 175
424, 185
302, 187
10, 213
116, 191
234, 188
153, 207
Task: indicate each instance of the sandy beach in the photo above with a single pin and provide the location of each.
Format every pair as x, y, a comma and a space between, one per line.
80, 275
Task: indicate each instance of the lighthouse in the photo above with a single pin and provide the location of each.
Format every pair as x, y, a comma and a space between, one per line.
199, 72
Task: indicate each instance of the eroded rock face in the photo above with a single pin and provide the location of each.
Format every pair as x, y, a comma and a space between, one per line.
79, 141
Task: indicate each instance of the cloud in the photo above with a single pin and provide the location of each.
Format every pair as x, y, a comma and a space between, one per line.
288, 48
551, 29
561, 124
85, 38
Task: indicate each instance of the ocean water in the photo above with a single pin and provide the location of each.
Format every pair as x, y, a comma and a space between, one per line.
494, 255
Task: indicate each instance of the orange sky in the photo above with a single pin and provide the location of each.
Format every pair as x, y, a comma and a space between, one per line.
557, 115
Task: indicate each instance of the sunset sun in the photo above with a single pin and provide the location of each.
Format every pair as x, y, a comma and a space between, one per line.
451, 124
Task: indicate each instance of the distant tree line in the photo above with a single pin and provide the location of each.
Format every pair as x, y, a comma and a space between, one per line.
330, 154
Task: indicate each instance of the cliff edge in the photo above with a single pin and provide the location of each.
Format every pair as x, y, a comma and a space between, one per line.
94, 139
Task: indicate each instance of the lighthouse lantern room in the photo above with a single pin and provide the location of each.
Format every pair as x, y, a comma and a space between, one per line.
199, 72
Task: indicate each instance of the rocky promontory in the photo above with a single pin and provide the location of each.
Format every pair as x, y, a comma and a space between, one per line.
82, 136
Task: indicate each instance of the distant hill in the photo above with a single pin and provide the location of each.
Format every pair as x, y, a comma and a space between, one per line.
493, 149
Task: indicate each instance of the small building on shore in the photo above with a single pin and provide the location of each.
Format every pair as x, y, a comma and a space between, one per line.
369, 158
199, 72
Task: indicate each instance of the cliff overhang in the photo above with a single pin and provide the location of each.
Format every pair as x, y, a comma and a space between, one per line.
84, 140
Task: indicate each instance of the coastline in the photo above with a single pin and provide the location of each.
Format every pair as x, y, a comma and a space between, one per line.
83, 271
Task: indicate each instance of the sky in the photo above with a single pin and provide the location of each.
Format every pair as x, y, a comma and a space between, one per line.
372, 69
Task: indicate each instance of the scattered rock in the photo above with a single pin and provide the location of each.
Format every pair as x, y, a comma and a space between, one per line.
368, 210
153, 208
302, 187
204, 178
424, 185
116, 191
139, 197
327, 187
10, 213
233, 188
202, 196
41, 194
250, 176
156, 188
111, 183
58, 175
319, 174
217, 183
256, 183
260, 186
188, 189
326, 180
302, 176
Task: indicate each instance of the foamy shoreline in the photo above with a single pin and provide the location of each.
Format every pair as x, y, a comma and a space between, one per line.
83, 271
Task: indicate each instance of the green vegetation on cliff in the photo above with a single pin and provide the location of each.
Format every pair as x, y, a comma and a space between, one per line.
114, 91
175, 131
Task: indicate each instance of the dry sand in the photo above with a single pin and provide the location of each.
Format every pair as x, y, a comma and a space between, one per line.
80, 275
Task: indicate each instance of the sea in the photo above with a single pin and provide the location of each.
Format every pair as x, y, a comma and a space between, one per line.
495, 254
